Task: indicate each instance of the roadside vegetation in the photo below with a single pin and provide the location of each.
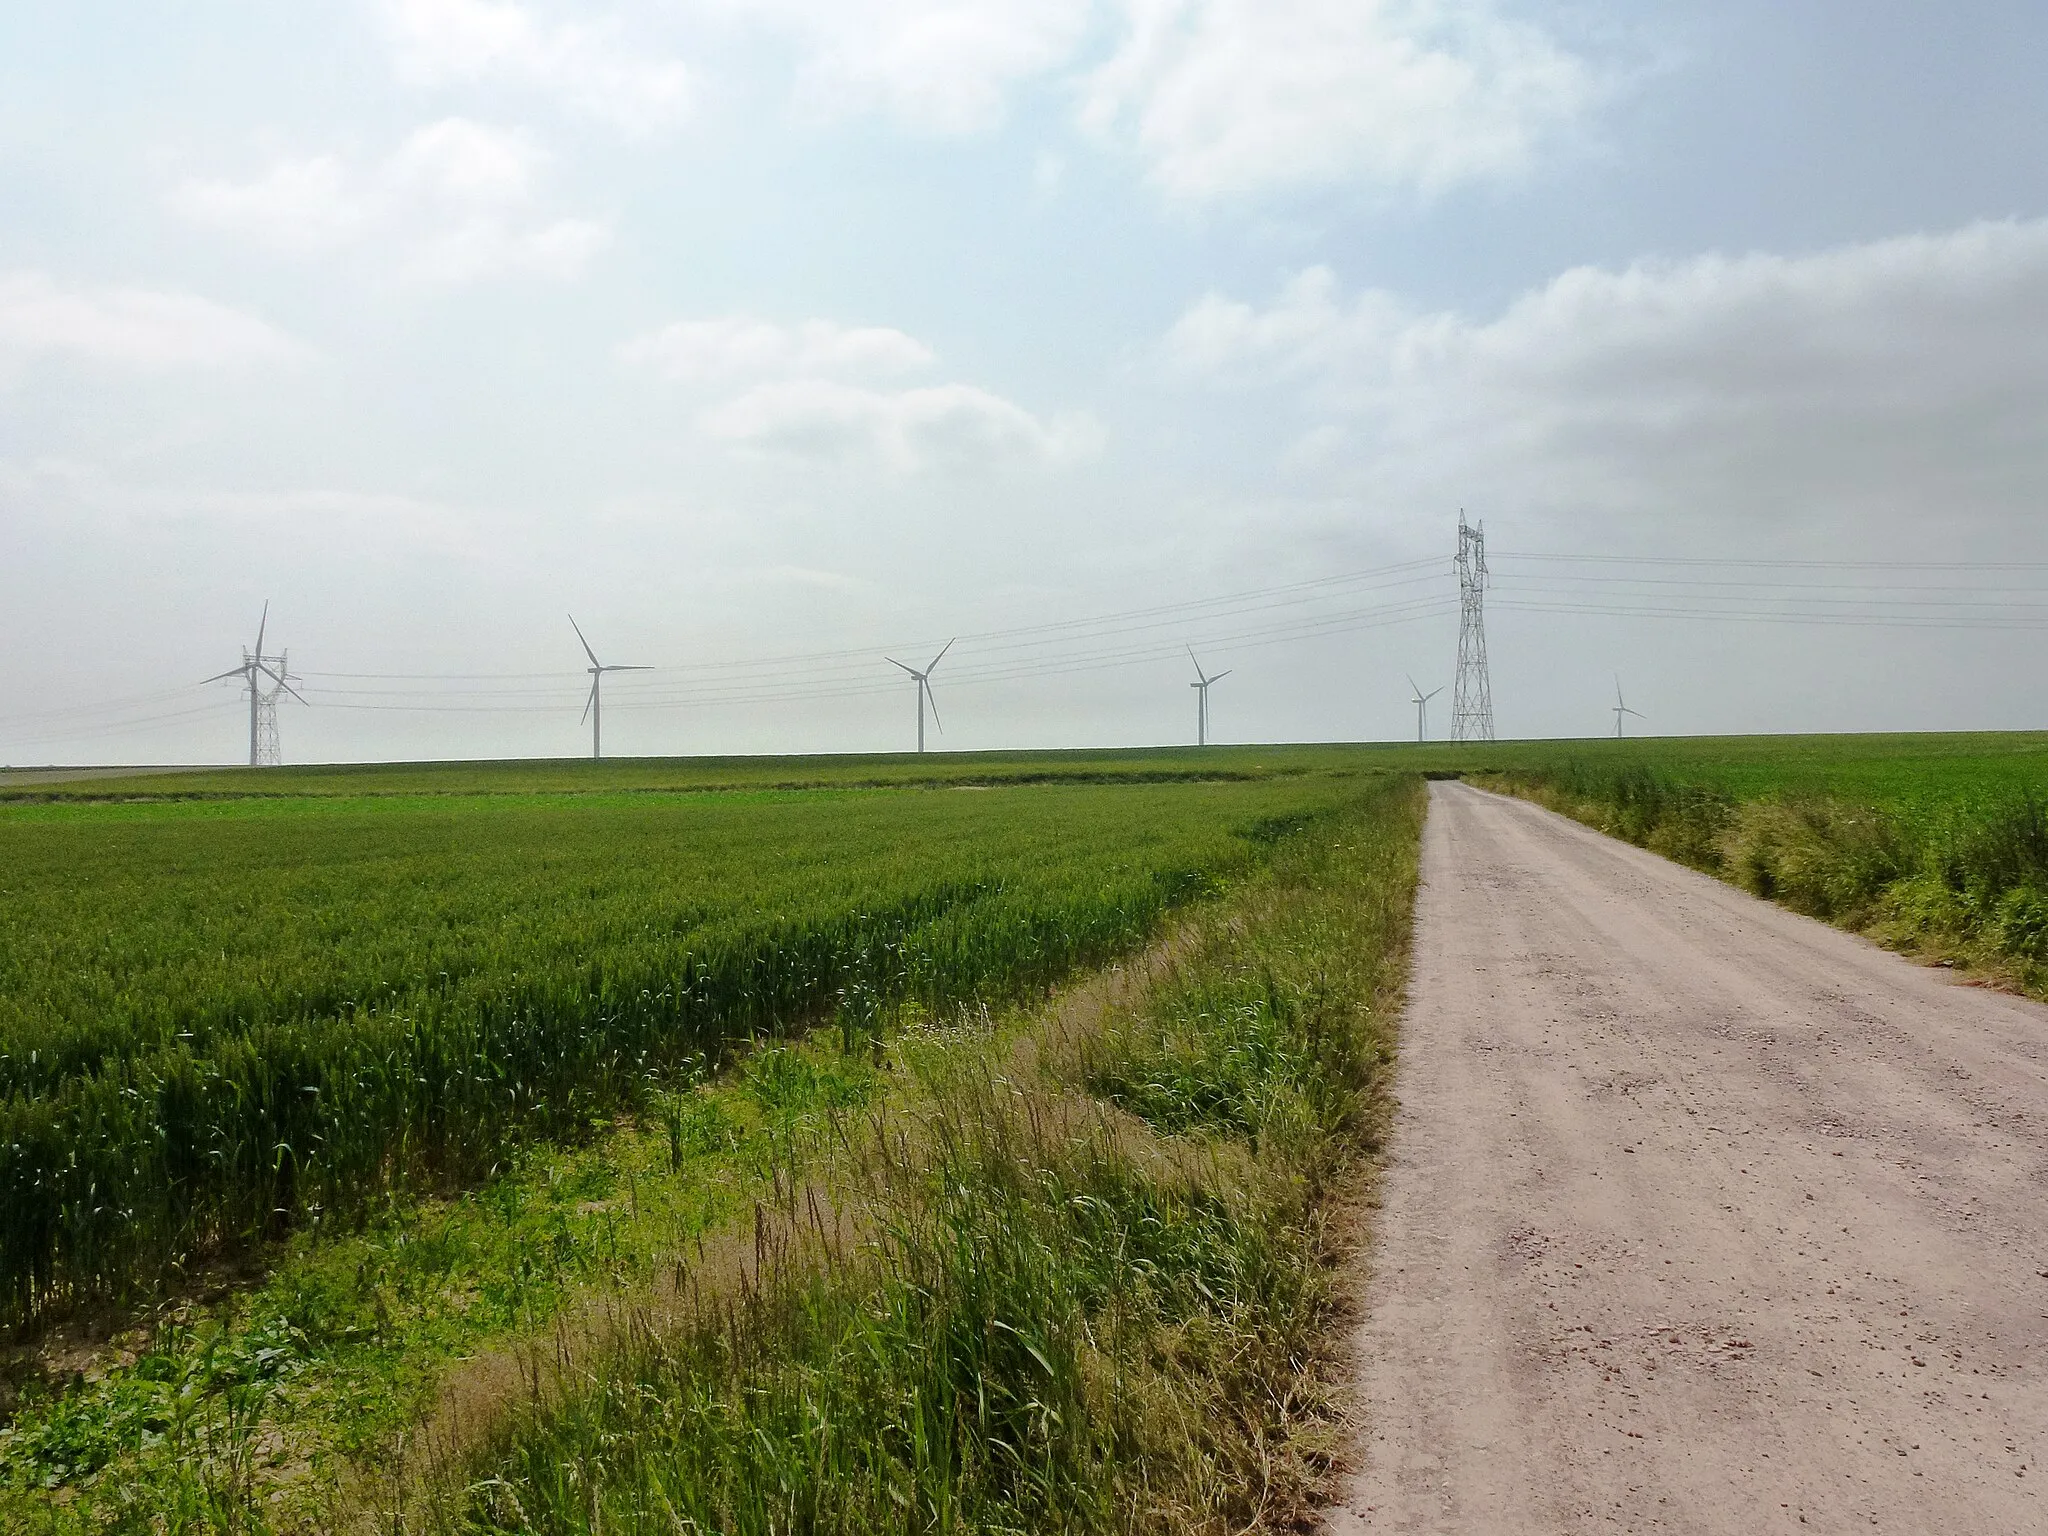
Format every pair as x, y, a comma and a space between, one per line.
1082, 1280
1948, 865
416, 1305
220, 1022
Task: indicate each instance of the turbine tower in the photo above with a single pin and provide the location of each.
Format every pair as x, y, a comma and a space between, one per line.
1421, 702
1202, 699
1621, 708
1472, 699
924, 689
593, 707
264, 748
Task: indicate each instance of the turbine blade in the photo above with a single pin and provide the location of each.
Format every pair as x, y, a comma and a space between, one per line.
931, 698
586, 644
241, 672
941, 656
906, 666
621, 667
589, 701
1198, 665
1413, 686
261, 625
283, 682
1431, 694
1220, 675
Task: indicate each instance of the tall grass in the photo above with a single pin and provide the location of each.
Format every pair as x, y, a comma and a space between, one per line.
1963, 876
216, 1027
1087, 1287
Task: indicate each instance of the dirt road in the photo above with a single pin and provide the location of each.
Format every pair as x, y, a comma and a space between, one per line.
1699, 1216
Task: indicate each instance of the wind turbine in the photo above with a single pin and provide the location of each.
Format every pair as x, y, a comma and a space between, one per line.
593, 707
1421, 707
1202, 698
1621, 708
924, 689
255, 666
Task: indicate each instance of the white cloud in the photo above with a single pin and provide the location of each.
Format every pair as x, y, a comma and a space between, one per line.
1224, 98
588, 66
457, 201
133, 328
1902, 377
1307, 327
738, 346
817, 390
943, 426
944, 66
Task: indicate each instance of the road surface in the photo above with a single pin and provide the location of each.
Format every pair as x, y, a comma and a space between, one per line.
1698, 1215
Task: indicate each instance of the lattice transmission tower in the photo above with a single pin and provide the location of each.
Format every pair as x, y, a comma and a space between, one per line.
266, 751
1472, 696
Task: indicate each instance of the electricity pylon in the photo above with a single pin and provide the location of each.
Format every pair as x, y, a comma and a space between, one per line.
1472, 696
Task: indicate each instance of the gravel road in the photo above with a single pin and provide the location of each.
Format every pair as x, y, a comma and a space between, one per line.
1698, 1215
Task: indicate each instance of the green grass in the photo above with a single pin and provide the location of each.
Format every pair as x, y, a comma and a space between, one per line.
1935, 845
220, 1020
1089, 1286
265, 1406
320, 1390
644, 775
588, 1224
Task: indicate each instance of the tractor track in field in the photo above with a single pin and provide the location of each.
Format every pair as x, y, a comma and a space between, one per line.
1698, 1215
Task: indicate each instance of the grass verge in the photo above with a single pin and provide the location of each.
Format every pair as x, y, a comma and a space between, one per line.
1082, 1279
1962, 882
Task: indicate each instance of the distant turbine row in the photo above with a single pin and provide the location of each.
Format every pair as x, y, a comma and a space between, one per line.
257, 667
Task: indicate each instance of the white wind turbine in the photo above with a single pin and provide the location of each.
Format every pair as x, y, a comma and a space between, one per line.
593, 707
256, 666
924, 689
1621, 708
1202, 698
1421, 702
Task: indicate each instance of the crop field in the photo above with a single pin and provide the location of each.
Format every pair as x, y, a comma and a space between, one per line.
313, 1097
541, 1146
630, 775
219, 1019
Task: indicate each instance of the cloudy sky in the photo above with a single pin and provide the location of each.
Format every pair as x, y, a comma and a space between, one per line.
773, 337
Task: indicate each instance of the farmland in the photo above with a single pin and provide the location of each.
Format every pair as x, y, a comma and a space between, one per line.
221, 1019
311, 1097
527, 1146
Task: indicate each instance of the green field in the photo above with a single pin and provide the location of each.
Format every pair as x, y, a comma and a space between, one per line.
1937, 845
629, 775
219, 1018
1893, 769
319, 1084
679, 1117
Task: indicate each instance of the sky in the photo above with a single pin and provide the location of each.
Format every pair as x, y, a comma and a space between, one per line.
775, 338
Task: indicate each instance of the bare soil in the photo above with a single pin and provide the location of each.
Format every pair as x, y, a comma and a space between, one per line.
1698, 1215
